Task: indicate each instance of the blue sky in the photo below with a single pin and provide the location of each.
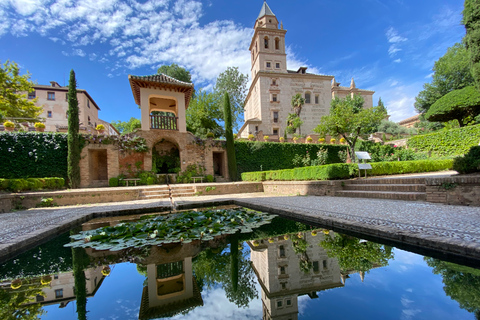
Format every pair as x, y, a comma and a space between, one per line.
387, 46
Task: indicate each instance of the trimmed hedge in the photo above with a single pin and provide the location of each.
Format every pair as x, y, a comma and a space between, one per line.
345, 171
17, 185
452, 142
255, 155
33, 155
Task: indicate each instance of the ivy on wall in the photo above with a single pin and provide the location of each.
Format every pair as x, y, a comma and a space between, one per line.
447, 142
256, 156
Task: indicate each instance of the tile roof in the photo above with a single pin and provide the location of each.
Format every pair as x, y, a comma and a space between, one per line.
265, 11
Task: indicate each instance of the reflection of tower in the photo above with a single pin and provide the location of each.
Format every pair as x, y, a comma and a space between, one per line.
171, 287
281, 273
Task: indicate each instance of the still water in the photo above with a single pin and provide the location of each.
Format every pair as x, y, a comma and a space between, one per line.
283, 270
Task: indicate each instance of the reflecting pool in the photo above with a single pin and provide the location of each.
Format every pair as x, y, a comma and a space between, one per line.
281, 270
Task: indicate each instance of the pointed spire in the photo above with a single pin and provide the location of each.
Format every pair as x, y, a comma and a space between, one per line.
281, 25
352, 84
265, 11
362, 275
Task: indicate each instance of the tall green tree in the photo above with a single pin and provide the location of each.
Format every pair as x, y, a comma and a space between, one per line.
73, 140
462, 105
80, 262
381, 105
232, 161
450, 72
204, 115
127, 127
235, 83
177, 72
293, 123
348, 120
297, 103
471, 21
13, 100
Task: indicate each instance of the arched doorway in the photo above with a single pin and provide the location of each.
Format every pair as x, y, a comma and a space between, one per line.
165, 157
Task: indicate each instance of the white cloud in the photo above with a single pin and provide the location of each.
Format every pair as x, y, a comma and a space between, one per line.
294, 62
395, 39
397, 60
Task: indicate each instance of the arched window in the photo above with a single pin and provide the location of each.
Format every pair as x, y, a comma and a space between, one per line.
266, 42
277, 44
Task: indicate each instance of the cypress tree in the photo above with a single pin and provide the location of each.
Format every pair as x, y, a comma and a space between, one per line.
73, 141
232, 161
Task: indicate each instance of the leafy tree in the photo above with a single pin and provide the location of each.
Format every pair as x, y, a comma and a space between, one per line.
356, 103
203, 115
177, 72
293, 123
127, 127
353, 254
450, 72
13, 303
460, 283
381, 105
297, 103
234, 83
348, 120
462, 105
73, 140
394, 128
471, 21
232, 162
14, 103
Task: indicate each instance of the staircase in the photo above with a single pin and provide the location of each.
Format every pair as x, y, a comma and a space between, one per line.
182, 190
411, 189
155, 193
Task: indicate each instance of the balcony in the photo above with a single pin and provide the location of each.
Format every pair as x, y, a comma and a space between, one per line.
163, 122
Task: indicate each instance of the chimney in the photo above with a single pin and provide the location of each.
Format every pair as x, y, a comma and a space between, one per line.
54, 84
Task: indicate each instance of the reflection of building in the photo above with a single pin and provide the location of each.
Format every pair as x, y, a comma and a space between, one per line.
171, 287
279, 273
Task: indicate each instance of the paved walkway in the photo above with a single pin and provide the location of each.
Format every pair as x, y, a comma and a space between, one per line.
454, 229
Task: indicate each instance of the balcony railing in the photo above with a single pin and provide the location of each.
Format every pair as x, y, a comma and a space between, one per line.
163, 122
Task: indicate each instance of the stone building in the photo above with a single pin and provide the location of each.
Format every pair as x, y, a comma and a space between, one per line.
273, 85
53, 99
163, 101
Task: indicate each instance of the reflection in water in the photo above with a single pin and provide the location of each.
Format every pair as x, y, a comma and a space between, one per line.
287, 259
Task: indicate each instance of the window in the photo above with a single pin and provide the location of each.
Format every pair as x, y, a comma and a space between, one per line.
40, 298
266, 42
66, 96
274, 97
316, 267
282, 270
51, 95
32, 95
324, 264
275, 132
274, 82
269, 65
275, 114
282, 251
88, 104
66, 114
49, 114
58, 293
316, 99
279, 303
88, 119
307, 97
277, 44
284, 285
256, 129
289, 302
277, 65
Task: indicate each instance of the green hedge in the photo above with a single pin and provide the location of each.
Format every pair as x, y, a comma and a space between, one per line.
17, 185
469, 163
33, 155
254, 155
452, 142
345, 171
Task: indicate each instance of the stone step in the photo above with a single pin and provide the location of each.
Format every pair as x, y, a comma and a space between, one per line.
411, 196
387, 181
386, 187
155, 196
190, 194
155, 192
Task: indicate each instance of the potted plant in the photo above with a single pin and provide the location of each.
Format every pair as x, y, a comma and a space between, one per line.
265, 138
106, 270
282, 139
332, 141
100, 128
321, 140
235, 136
45, 280
9, 125
342, 140
210, 135
295, 139
39, 126
251, 137
309, 139
17, 283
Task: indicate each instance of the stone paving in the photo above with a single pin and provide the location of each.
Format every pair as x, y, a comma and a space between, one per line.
454, 229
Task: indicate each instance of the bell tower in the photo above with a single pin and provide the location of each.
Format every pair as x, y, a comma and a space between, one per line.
268, 44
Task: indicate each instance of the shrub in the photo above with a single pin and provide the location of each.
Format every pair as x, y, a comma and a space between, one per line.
17, 185
209, 178
210, 135
309, 139
321, 140
235, 136
282, 139
251, 136
147, 178
469, 163
39, 125
453, 142
400, 167
266, 138
113, 182
9, 124
342, 140
192, 171
100, 127
332, 141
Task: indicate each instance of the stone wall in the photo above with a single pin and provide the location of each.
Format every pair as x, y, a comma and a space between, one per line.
311, 188
463, 190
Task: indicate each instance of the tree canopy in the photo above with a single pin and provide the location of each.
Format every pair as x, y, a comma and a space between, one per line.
450, 72
177, 72
13, 100
234, 83
462, 105
127, 127
471, 21
203, 115
350, 120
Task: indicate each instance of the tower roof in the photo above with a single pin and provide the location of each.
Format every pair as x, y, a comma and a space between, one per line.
265, 11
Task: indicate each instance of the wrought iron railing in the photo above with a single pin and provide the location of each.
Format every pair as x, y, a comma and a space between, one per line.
171, 269
163, 122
